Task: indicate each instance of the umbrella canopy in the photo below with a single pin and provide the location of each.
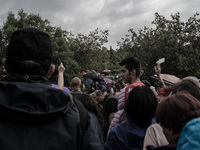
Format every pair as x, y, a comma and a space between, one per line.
168, 78
110, 77
107, 80
93, 75
97, 78
106, 72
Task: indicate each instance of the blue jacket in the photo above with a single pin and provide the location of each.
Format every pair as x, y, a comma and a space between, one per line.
125, 136
190, 136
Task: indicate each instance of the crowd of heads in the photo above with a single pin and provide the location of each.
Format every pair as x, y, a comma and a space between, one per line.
172, 106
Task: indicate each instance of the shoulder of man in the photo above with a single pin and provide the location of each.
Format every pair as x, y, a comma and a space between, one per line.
90, 139
129, 88
110, 96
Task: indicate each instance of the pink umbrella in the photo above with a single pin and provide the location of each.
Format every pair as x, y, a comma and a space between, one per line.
107, 80
108, 83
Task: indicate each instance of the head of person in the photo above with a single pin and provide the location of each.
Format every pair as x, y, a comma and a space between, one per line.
100, 95
76, 84
175, 111
164, 92
29, 52
193, 79
187, 85
130, 69
141, 106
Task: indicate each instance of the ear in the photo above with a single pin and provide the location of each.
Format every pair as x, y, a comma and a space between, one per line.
50, 71
133, 73
5, 64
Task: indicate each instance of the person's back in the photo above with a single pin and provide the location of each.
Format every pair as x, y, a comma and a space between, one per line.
108, 103
33, 114
94, 112
31, 121
140, 109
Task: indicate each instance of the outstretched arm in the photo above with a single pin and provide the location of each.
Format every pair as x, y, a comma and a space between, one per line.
61, 70
158, 72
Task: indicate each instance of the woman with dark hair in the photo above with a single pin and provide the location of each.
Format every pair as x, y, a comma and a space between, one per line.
95, 114
140, 109
188, 85
172, 114
154, 134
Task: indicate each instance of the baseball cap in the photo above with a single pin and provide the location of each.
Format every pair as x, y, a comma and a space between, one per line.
29, 44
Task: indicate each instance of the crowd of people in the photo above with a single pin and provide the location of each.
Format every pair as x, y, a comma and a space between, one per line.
36, 114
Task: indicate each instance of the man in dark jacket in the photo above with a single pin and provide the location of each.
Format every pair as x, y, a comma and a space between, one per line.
33, 115
108, 105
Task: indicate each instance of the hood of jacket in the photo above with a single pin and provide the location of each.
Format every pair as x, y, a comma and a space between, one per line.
31, 99
190, 136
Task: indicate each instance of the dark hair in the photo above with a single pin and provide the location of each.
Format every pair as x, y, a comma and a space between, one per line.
91, 106
141, 106
28, 67
189, 86
100, 92
132, 63
176, 110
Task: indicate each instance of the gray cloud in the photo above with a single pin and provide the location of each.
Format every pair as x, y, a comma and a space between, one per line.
117, 16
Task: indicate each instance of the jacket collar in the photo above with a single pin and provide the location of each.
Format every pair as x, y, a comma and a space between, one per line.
26, 78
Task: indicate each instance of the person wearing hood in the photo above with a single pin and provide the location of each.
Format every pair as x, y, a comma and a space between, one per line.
34, 115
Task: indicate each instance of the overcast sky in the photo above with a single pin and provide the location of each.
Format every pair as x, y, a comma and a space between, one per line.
117, 16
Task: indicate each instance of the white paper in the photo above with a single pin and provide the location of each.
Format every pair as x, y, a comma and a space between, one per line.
160, 61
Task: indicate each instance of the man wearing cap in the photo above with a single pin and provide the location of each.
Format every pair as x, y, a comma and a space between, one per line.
33, 115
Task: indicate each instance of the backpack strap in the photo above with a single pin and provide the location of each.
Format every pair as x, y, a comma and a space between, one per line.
82, 113
83, 118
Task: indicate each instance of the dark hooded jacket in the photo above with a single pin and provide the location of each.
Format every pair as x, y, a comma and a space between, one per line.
35, 116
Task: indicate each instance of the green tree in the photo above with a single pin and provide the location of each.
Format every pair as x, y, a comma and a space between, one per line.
173, 39
77, 53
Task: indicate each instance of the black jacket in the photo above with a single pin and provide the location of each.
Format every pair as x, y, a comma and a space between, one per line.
35, 116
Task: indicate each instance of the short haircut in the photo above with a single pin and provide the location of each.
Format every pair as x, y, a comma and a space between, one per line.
176, 110
75, 82
132, 63
141, 106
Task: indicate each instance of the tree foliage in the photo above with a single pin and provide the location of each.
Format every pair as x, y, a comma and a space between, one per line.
173, 39
77, 53
176, 41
